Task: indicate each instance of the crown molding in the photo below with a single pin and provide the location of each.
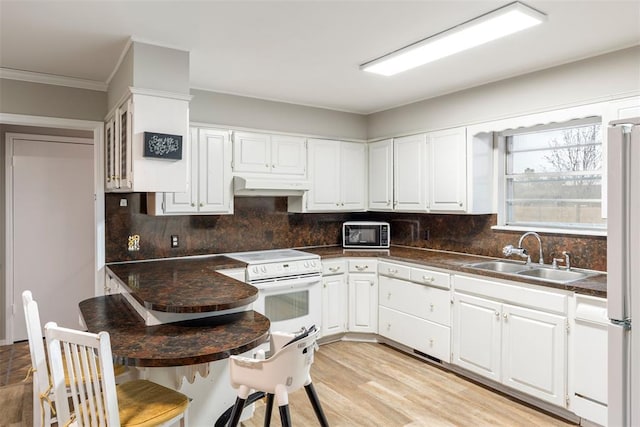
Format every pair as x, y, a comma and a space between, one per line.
51, 79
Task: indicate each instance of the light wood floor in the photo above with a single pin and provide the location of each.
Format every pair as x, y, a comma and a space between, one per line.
363, 384
366, 384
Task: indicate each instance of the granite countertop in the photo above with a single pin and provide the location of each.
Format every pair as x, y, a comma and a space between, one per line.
185, 285
173, 344
594, 285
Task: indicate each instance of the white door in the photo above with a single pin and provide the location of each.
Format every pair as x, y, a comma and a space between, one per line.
324, 172
214, 171
476, 335
534, 349
363, 303
353, 175
288, 155
334, 304
381, 175
410, 175
448, 171
251, 152
186, 202
51, 219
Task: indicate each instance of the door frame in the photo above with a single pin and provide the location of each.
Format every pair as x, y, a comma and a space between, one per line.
10, 310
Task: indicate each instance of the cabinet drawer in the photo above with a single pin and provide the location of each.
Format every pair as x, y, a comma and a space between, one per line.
430, 277
421, 301
394, 270
362, 266
419, 334
331, 267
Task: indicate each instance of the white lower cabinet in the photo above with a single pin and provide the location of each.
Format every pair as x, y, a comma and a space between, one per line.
524, 348
363, 296
334, 297
413, 311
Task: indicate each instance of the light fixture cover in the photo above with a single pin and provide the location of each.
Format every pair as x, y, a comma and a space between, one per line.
501, 22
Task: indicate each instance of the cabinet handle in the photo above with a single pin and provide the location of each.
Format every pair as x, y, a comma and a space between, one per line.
342, 204
430, 342
337, 204
431, 307
324, 286
389, 295
497, 315
193, 205
201, 204
393, 271
428, 278
388, 326
267, 165
460, 204
388, 202
274, 166
334, 269
505, 316
361, 267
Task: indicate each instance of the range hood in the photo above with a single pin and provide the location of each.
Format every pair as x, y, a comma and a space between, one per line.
258, 186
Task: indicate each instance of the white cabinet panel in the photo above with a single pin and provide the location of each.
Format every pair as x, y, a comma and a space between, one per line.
363, 303
476, 335
381, 175
431, 278
186, 202
533, 355
448, 170
288, 155
419, 334
214, 172
353, 176
410, 174
324, 172
251, 152
334, 304
417, 300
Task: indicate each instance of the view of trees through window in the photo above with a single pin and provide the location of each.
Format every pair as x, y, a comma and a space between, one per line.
554, 177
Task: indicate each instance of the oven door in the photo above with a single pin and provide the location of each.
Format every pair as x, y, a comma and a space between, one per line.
290, 304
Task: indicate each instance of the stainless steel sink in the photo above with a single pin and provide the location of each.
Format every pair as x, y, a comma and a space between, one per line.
553, 275
532, 271
500, 266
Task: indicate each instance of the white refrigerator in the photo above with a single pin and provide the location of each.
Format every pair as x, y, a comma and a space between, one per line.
623, 269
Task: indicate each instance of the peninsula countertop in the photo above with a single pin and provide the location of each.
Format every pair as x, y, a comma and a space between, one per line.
182, 343
185, 285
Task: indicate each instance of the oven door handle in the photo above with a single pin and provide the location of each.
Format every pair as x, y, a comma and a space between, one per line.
267, 287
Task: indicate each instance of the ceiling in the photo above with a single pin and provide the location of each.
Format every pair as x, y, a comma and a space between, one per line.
305, 52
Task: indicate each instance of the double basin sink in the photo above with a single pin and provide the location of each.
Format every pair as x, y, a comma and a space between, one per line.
533, 271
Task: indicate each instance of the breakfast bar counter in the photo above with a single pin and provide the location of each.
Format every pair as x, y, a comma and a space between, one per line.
187, 342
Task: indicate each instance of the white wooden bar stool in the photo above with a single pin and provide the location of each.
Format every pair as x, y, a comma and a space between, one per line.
96, 399
286, 371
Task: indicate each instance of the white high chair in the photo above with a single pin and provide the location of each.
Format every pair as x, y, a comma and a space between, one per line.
286, 371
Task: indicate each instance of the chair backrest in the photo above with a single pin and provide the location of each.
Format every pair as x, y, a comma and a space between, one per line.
89, 366
288, 366
39, 364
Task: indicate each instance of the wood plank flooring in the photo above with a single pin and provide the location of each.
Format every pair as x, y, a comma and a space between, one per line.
367, 384
364, 384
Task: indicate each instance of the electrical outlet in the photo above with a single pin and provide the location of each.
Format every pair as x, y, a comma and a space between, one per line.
123, 203
174, 241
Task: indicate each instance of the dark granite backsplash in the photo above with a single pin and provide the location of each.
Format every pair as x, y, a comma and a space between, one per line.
264, 223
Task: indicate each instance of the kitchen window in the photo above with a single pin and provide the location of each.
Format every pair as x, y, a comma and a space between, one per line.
552, 177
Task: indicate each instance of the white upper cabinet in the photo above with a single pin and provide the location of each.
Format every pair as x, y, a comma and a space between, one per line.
210, 183
443, 171
447, 170
381, 175
337, 171
269, 154
127, 168
410, 163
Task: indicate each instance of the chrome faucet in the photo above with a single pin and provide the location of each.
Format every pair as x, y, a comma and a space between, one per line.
567, 260
532, 233
520, 251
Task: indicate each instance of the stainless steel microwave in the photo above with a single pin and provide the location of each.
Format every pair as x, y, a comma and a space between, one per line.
365, 234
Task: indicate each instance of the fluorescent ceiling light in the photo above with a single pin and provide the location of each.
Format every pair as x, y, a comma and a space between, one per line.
499, 23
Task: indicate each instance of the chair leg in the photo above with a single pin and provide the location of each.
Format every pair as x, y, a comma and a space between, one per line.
285, 416
236, 412
268, 410
315, 402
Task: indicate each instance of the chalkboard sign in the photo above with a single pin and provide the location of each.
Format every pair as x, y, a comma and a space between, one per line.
162, 146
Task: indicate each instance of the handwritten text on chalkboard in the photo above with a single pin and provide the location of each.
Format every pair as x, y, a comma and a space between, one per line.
162, 146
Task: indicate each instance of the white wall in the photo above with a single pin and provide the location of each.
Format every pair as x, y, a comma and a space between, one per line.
245, 112
37, 99
609, 76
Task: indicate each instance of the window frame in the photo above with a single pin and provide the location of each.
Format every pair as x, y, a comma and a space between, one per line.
502, 177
